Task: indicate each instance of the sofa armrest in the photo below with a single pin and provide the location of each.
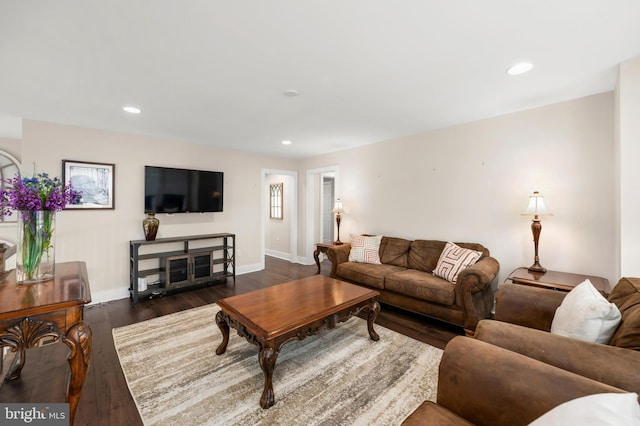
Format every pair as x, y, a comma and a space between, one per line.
603, 363
337, 255
487, 384
473, 290
527, 306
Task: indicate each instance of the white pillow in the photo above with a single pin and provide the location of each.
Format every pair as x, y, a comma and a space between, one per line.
601, 409
586, 315
454, 259
365, 249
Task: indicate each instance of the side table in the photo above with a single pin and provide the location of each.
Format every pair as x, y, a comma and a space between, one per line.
49, 310
321, 248
554, 280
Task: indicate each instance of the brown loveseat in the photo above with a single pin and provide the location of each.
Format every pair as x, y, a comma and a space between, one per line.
528, 371
534, 307
405, 279
484, 384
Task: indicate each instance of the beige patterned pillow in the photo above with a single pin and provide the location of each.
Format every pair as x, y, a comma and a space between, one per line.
365, 249
454, 259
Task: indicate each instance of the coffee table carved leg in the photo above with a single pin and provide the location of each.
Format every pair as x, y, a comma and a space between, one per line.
79, 340
224, 329
267, 358
374, 310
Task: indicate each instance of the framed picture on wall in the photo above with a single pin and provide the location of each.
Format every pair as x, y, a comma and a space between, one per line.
95, 180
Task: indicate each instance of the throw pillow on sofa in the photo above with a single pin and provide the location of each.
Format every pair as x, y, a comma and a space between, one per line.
598, 409
586, 315
454, 259
365, 249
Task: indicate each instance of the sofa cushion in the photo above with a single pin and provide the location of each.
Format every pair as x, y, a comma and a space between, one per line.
424, 254
586, 315
626, 296
365, 249
366, 273
393, 251
421, 285
453, 260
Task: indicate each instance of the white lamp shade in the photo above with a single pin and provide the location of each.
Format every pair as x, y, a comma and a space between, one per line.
536, 206
338, 207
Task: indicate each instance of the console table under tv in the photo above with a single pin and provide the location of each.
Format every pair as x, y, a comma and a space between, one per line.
179, 263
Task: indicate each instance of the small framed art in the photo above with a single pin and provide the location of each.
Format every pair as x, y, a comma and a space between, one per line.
95, 180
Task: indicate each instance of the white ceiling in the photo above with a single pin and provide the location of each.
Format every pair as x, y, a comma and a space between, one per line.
214, 72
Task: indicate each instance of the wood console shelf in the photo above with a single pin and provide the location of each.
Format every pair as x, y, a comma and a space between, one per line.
184, 262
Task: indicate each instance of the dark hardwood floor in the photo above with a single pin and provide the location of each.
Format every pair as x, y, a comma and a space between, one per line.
105, 396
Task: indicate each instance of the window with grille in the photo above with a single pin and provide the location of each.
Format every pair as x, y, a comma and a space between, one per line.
275, 191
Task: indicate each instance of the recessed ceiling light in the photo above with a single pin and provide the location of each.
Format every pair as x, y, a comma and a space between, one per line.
520, 68
132, 109
291, 93
286, 142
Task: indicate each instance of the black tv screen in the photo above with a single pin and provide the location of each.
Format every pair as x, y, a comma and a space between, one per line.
169, 190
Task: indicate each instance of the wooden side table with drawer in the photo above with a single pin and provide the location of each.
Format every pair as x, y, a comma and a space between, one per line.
554, 280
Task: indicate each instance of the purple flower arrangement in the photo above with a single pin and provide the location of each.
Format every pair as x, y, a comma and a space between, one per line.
36, 193
37, 198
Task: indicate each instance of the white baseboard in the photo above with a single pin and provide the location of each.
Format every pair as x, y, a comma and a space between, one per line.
109, 295
278, 254
250, 268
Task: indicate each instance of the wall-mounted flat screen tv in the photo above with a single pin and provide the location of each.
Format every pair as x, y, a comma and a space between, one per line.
169, 190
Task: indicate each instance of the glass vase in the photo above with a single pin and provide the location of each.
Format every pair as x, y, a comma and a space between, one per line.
35, 254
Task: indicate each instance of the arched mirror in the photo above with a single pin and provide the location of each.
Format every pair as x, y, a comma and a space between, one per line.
9, 167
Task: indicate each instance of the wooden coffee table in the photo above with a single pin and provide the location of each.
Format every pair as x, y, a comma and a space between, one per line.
273, 316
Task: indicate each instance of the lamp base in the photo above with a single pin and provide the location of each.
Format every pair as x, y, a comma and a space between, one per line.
536, 268
337, 243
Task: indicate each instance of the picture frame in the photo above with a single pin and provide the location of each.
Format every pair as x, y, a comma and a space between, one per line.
95, 180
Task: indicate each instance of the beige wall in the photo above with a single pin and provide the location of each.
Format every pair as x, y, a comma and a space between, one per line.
628, 172
100, 237
464, 183
472, 182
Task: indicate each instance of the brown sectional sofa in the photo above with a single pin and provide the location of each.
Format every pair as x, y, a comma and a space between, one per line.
405, 279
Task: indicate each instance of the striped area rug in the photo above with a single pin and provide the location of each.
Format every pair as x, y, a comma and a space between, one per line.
339, 377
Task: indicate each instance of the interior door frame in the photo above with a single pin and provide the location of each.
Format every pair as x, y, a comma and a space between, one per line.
314, 195
293, 244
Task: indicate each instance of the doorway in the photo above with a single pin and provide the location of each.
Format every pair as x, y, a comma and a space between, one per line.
322, 191
282, 231
328, 196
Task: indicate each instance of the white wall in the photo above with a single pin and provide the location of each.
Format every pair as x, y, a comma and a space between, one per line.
472, 182
628, 172
101, 237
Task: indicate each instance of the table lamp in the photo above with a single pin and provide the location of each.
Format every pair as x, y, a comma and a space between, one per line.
536, 209
338, 210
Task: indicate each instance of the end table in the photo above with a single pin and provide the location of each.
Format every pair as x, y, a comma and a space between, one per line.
554, 280
321, 248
